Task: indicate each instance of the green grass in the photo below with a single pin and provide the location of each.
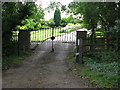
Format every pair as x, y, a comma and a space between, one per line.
14, 59
102, 72
101, 78
102, 68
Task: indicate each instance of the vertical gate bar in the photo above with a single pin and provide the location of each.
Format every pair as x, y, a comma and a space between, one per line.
45, 34
55, 31
46, 37
60, 35
34, 36
52, 40
37, 37
18, 44
67, 37
42, 33
72, 36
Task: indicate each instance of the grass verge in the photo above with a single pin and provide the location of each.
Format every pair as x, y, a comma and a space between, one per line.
100, 71
14, 60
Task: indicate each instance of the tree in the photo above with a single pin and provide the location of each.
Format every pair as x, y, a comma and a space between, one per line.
97, 13
57, 17
12, 15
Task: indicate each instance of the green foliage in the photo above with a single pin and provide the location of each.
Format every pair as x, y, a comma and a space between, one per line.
104, 57
29, 24
63, 8
102, 68
51, 6
117, 34
33, 22
64, 21
16, 15
45, 23
54, 4
44, 26
14, 59
97, 13
51, 22
70, 19
57, 17
69, 27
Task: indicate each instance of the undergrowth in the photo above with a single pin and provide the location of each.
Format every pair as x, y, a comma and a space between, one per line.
8, 61
100, 68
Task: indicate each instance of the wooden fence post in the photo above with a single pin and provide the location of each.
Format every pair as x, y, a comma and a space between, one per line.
81, 51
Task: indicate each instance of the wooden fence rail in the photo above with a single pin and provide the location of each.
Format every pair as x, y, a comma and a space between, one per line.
84, 44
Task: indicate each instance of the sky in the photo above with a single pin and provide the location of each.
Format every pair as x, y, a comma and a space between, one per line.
45, 3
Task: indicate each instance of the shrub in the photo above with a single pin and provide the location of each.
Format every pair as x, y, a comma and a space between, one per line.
104, 57
43, 26
69, 24
70, 27
29, 24
51, 22
64, 21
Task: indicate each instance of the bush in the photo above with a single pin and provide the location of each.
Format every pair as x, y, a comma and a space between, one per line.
70, 27
29, 24
104, 57
45, 23
64, 21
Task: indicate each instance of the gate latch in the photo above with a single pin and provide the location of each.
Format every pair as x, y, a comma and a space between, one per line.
52, 38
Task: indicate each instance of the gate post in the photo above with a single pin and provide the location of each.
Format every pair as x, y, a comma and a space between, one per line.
24, 40
80, 44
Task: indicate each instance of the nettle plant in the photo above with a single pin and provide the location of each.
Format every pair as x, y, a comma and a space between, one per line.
29, 24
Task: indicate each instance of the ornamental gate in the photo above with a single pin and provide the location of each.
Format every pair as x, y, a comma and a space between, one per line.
53, 39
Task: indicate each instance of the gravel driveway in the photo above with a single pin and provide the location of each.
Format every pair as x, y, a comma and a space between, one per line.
45, 69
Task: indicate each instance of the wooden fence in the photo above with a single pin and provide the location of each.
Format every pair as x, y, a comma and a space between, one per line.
85, 43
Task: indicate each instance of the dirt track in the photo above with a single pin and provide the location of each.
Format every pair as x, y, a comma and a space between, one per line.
45, 69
